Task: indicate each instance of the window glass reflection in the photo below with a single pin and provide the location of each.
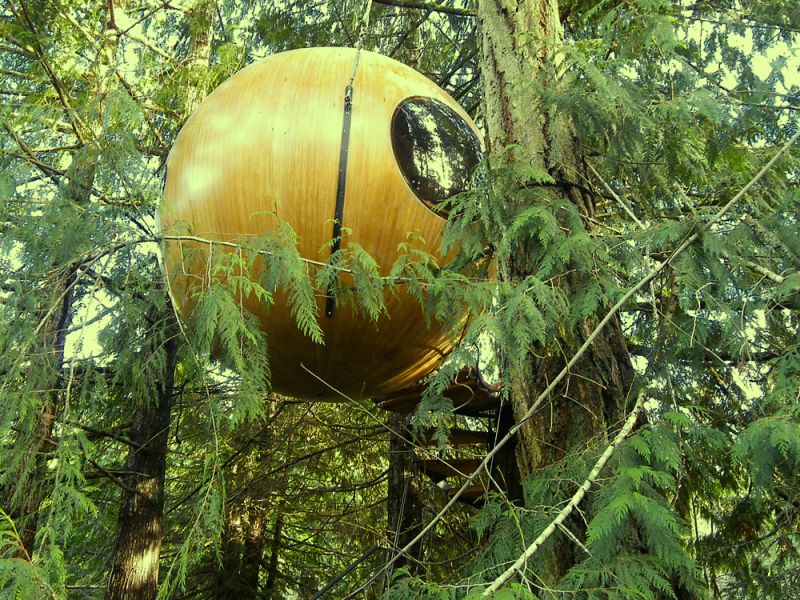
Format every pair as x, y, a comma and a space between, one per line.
435, 148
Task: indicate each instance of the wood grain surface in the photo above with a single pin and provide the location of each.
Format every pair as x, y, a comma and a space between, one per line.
263, 148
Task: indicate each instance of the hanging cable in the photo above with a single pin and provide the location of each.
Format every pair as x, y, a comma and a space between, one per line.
343, 574
344, 150
363, 27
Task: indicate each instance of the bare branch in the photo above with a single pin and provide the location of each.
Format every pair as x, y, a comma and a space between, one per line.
77, 124
571, 505
430, 6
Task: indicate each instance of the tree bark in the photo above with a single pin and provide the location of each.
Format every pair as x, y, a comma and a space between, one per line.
135, 566
26, 491
403, 502
520, 56
243, 549
275, 548
226, 578
134, 571
505, 470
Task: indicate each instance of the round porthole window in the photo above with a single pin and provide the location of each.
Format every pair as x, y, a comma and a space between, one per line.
435, 148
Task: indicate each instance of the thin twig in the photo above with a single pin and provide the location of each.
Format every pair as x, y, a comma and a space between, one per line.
76, 122
194, 238
614, 195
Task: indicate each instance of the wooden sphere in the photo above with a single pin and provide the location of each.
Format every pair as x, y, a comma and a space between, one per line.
264, 147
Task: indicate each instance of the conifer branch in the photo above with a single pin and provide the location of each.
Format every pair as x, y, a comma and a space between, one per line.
429, 6
77, 124
109, 474
586, 345
206, 241
15, 534
614, 195
18, 49
163, 145
500, 581
164, 5
30, 156
765, 272
90, 36
719, 356
572, 504
99, 433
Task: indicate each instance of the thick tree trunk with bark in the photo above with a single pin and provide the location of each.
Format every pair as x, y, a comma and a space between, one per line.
520, 56
274, 550
505, 470
134, 572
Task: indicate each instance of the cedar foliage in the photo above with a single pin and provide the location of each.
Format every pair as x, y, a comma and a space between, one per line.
674, 117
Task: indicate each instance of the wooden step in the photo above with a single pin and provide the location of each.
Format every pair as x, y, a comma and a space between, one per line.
469, 395
474, 494
438, 469
457, 437
477, 406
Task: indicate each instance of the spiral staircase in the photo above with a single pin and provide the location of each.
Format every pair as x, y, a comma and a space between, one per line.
480, 419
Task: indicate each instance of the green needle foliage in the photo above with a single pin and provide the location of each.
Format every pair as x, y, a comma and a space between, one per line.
674, 107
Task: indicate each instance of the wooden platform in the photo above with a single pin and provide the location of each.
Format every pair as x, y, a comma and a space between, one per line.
473, 495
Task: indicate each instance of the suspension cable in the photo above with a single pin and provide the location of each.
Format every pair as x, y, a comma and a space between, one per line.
344, 150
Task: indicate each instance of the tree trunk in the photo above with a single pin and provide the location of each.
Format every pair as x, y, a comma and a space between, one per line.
134, 571
135, 566
26, 491
30, 485
275, 548
404, 502
520, 55
226, 579
505, 470
253, 550
243, 549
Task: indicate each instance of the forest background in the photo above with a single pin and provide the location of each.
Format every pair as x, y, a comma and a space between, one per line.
619, 135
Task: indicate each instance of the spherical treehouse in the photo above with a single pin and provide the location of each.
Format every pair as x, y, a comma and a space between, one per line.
290, 139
